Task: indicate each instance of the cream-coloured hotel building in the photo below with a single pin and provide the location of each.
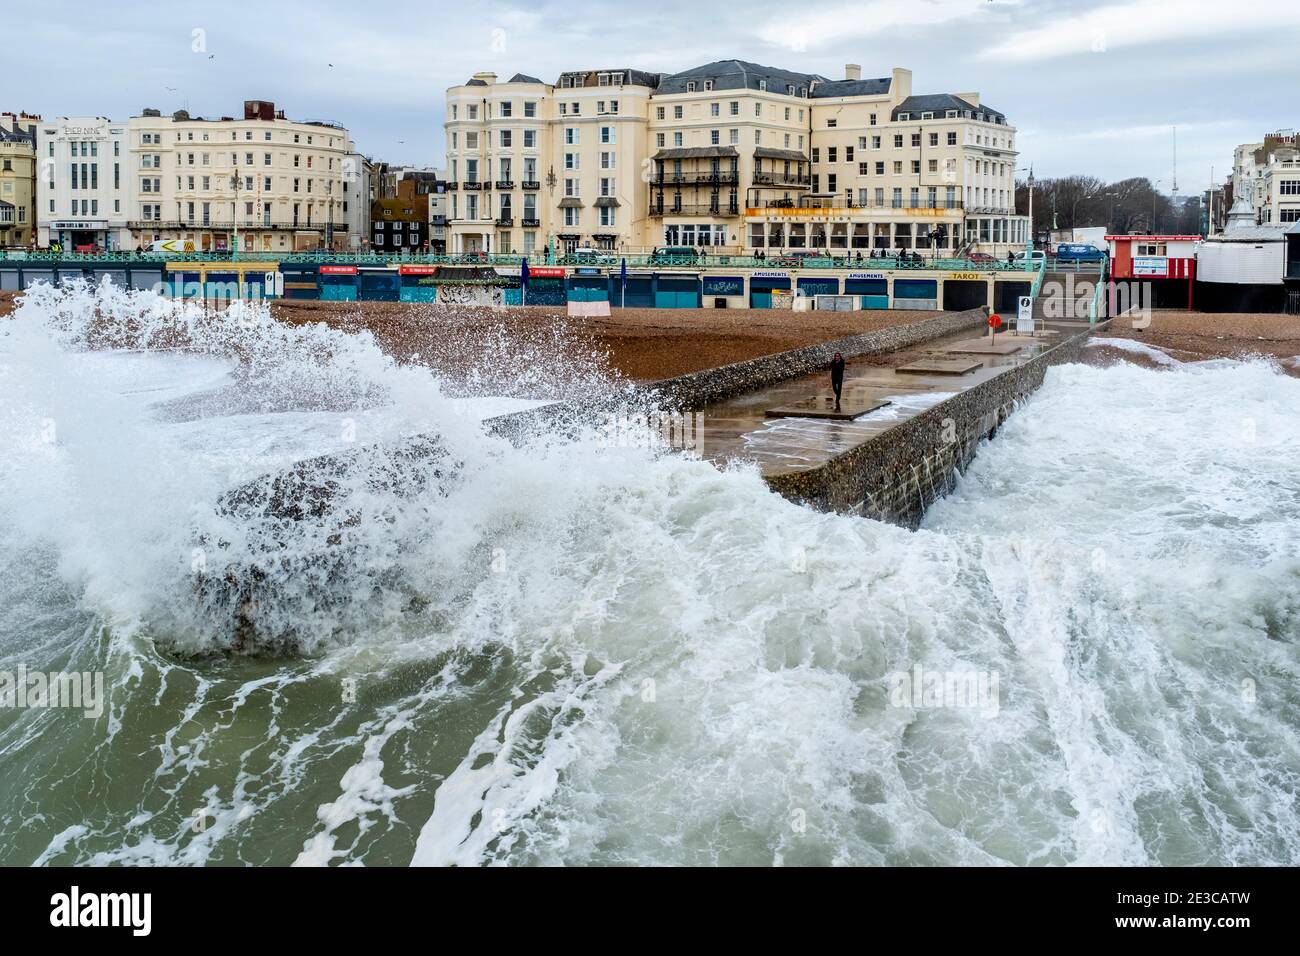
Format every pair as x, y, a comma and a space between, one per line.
277, 183
730, 156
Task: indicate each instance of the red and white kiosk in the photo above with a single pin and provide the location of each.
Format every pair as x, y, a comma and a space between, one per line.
1162, 260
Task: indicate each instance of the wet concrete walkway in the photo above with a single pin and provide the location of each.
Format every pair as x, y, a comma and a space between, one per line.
784, 428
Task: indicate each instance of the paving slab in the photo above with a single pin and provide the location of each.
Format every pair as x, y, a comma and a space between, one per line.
999, 346
823, 406
740, 427
939, 367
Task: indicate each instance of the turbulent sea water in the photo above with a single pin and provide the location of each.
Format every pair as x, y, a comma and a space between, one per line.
569, 653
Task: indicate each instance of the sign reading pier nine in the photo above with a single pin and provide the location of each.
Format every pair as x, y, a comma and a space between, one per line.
23, 689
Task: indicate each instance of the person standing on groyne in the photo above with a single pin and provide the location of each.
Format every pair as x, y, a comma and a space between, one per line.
837, 377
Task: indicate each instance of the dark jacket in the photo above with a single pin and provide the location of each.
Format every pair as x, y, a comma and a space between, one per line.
837, 371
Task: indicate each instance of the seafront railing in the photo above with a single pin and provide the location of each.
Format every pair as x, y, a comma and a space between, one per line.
1038, 278
609, 261
1094, 308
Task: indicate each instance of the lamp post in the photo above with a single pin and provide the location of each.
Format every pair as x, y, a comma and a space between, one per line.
1075, 209
1029, 243
234, 214
1155, 194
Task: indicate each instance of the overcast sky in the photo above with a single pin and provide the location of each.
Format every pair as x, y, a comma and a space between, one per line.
1094, 86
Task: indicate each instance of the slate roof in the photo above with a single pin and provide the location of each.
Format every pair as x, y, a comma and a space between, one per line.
738, 75
523, 78
630, 77
937, 103
771, 152
828, 88
696, 152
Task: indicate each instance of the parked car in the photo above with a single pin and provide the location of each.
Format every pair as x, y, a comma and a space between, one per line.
982, 257
1035, 257
1079, 252
585, 254
674, 253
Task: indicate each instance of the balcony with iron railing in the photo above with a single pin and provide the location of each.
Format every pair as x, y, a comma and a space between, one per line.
828, 203
530, 222
216, 223
531, 185
721, 210
782, 180
505, 221
719, 178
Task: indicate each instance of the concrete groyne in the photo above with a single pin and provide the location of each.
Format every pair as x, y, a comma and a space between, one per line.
896, 475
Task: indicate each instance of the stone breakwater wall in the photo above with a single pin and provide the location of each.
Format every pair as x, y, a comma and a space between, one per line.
898, 474
694, 390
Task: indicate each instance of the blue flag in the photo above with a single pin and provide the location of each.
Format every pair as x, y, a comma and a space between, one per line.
622, 273
523, 275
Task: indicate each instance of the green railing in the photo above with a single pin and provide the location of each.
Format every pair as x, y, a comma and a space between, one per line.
1038, 279
611, 261
1095, 306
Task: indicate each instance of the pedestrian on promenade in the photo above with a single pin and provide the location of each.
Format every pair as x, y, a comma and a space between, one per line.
837, 377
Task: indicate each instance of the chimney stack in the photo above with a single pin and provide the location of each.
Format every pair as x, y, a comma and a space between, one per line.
852, 71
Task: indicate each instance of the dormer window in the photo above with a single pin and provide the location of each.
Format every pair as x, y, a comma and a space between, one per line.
789, 89
690, 86
762, 86
926, 116
708, 85
616, 79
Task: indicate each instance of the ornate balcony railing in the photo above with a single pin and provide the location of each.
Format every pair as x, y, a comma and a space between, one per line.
213, 224
723, 178
723, 210
781, 180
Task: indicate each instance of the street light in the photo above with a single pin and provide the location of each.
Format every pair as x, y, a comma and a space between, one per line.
1075, 209
1155, 194
1029, 243
234, 213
